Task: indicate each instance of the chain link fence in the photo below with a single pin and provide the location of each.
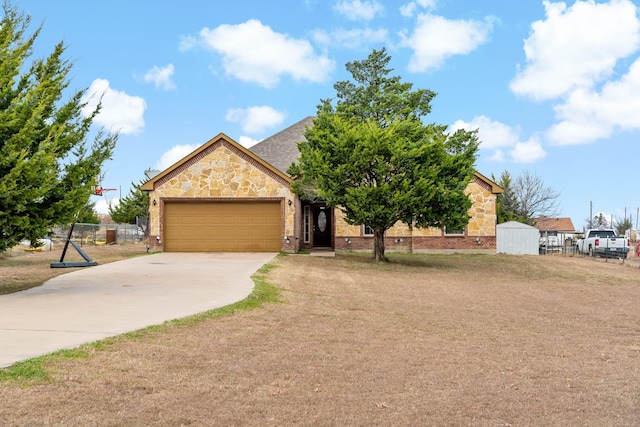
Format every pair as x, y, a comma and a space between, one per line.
101, 234
568, 247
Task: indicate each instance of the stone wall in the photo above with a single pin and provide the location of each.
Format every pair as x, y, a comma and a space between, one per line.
223, 173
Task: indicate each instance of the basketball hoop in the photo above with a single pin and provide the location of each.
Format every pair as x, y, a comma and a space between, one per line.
107, 193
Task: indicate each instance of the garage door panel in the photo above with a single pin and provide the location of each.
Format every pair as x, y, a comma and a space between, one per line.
222, 226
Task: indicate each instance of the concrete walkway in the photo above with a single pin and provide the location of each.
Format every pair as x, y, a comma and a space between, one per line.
98, 302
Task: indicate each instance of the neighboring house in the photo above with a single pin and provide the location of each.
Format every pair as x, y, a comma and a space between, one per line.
225, 197
555, 231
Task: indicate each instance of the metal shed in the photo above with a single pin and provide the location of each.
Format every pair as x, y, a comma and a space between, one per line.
516, 238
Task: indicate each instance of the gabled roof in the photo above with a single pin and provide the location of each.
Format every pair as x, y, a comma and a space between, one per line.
554, 224
212, 144
281, 149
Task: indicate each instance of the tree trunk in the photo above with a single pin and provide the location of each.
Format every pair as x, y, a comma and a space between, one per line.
378, 245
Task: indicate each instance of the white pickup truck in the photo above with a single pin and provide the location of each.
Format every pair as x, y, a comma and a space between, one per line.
603, 242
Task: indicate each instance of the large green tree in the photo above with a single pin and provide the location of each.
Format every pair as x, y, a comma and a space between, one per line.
47, 166
370, 155
133, 207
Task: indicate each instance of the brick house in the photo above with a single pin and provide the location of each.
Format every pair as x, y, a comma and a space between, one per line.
224, 197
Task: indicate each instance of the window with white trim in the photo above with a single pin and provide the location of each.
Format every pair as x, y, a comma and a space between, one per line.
367, 231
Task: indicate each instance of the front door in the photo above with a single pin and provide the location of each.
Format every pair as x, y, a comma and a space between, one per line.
321, 227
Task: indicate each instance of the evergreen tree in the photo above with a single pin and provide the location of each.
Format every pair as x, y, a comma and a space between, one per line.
506, 202
47, 166
370, 155
87, 214
623, 226
135, 205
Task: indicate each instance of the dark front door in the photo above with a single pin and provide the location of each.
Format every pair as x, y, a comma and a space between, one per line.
321, 227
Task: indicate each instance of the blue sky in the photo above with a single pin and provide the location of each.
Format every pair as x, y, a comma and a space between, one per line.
553, 87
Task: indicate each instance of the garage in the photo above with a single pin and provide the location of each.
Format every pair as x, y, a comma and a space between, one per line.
213, 226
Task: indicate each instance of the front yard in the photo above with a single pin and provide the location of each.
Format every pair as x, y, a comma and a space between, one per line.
423, 340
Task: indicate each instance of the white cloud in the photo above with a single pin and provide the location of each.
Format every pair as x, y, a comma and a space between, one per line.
350, 39
497, 136
173, 155
409, 9
102, 206
576, 46
528, 152
256, 119
120, 112
588, 115
492, 134
161, 77
436, 38
497, 156
357, 10
253, 52
187, 43
248, 142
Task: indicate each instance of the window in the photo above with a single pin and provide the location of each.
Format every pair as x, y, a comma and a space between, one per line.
453, 231
367, 231
307, 223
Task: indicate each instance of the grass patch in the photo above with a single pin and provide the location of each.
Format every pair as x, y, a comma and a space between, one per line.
26, 372
33, 371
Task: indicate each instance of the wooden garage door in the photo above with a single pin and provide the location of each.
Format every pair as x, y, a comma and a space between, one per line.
222, 226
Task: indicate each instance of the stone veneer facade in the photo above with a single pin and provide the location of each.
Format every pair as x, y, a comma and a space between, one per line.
480, 233
222, 171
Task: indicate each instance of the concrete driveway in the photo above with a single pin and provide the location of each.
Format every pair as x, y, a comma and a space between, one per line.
98, 302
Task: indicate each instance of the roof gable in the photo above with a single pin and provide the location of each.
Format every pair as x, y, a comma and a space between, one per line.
199, 153
492, 186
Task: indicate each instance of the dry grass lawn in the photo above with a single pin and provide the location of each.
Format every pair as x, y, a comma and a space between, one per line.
21, 270
424, 340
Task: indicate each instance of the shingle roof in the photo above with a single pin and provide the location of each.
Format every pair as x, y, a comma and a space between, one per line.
281, 150
554, 224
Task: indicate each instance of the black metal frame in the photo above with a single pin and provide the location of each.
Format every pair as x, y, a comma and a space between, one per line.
88, 262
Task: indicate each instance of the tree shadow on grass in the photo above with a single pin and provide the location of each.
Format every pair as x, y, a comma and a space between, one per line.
423, 261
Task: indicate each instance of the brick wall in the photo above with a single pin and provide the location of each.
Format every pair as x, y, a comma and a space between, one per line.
418, 243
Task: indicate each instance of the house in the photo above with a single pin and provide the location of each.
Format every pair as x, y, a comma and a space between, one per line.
555, 231
225, 197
